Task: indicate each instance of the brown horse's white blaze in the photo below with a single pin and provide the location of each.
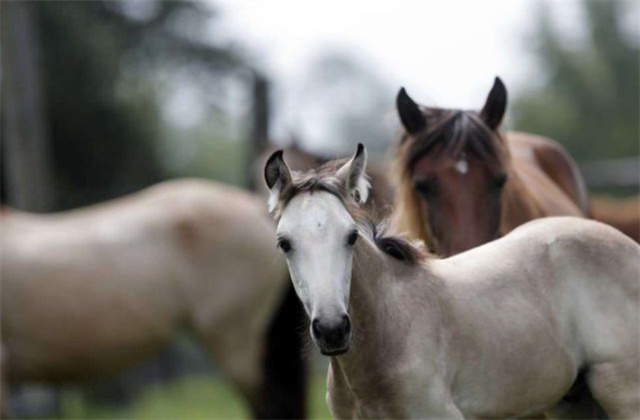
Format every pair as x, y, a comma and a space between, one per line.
500, 331
462, 183
458, 192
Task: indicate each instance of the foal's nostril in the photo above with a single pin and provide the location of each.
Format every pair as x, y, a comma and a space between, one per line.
315, 326
346, 324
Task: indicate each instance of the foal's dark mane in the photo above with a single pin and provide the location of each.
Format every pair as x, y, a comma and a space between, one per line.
395, 246
323, 179
454, 132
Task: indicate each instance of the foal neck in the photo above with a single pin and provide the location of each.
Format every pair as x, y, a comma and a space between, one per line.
352, 374
370, 289
380, 307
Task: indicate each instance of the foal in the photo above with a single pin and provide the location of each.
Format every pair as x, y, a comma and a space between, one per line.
499, 331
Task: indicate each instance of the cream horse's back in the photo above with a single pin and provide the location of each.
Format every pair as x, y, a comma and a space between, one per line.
562, 299
88, 292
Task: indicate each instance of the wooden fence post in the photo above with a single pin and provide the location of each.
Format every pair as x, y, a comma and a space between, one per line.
259, 140
28, 183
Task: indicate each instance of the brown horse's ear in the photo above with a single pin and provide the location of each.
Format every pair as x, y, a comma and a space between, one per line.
353, 175
410, 115
277, 176
493, 110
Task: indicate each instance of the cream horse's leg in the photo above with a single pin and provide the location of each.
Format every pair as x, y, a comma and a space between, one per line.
616, 386
236, 340
237, 352
232, 333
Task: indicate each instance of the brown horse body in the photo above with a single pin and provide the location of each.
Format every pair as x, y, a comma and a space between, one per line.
462, 182
621, 213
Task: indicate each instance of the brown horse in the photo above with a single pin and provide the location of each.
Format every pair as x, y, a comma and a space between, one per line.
463, 182
621, 213
88, 292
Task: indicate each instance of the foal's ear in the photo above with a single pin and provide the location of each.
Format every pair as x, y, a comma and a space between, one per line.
409, 112
277, 176
496, 104
353, 175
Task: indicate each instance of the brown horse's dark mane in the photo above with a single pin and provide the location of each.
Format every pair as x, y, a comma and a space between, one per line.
454, 132
323, 179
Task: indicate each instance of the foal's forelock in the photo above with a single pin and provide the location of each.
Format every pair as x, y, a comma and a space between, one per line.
320, 179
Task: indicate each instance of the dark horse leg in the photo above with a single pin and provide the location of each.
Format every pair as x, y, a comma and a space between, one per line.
285, 372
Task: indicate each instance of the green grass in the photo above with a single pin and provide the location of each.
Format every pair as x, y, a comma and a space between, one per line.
188, 398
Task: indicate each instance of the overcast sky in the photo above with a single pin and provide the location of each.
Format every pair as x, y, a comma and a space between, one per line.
445, 53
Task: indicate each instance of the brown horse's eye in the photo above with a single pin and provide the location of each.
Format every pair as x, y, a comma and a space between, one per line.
427, 189
284, 245
352, 238
500, 180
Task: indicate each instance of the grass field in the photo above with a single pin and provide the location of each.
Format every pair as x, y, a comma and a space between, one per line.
188, 398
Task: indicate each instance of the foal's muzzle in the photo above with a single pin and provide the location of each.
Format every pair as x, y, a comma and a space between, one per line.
332, 337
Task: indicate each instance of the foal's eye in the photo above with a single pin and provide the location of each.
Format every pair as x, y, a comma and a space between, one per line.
284, 245
352, 238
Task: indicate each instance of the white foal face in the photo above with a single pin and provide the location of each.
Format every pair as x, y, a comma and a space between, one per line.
317, 236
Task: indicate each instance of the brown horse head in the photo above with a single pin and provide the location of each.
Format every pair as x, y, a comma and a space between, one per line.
453, 166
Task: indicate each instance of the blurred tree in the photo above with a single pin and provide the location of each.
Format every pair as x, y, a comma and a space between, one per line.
589, 99
27, 178
106, 66
351, 103
108, 69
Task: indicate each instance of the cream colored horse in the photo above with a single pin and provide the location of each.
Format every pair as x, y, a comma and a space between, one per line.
88, 292
499, 331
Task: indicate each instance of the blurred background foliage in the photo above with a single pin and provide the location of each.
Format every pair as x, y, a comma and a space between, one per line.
354, 98
108, 68
587, 96
137, 92
118, 76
